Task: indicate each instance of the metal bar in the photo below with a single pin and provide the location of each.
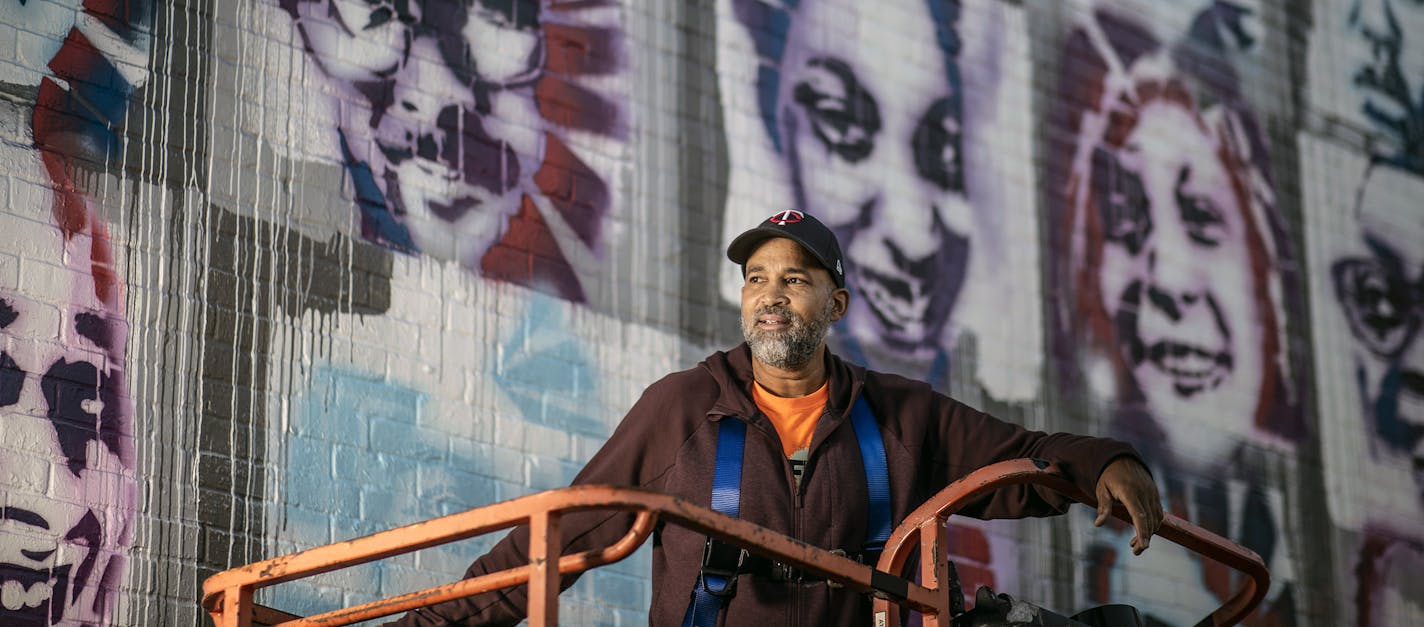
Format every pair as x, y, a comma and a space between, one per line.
544, 543
934, 570
642, 528
235, 604
224, 592
1036, 472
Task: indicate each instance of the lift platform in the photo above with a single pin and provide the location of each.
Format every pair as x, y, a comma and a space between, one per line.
228, 596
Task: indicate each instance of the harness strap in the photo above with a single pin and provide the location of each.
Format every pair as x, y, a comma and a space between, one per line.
714, 587
877, 474
717, 579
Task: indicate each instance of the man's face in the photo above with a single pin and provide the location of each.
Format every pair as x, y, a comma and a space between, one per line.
1387, 64
1177, 278
788, 303
1381, 293
876, 151
64, 420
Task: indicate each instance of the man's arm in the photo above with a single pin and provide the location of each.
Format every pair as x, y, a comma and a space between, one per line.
968, 439
626, 459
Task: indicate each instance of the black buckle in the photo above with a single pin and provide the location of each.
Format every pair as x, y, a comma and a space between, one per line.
785, 573
720, 559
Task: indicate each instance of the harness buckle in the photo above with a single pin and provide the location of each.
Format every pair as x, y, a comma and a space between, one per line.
723, 560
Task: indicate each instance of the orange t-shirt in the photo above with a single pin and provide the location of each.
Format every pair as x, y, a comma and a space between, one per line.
794, 418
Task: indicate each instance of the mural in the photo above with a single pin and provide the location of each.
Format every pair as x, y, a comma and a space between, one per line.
1173, 275
457, 123
367, 447
67, 464
899, 164
1366, 265
1364, 230
1383, 78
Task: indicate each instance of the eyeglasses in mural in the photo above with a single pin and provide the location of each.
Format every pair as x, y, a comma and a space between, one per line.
454, 122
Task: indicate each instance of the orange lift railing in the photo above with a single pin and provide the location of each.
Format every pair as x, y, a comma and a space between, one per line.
228, 596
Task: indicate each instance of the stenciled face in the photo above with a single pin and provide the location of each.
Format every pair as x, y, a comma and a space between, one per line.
788, 304
446, 122
358, 40
1177, 279
64, 419
1381, 293
447, 178
1387, 65
876, 154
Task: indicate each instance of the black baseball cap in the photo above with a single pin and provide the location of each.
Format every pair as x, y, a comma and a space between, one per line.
800, 227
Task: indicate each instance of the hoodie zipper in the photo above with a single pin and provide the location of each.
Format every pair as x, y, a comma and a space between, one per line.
798, 501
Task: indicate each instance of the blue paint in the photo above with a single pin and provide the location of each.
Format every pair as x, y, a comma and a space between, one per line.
376, 214
544, 370
1388, 426
358, 461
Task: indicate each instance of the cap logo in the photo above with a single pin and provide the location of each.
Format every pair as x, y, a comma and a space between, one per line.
783, 218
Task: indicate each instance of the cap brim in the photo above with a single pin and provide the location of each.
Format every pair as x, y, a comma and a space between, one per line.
742, 248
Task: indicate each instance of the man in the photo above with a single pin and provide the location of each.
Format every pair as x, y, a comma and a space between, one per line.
802, 469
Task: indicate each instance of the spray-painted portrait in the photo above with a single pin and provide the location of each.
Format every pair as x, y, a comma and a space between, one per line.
1176, 273
895, 162
451, 123
1380, 292
68, 492
1367, 267
67, 464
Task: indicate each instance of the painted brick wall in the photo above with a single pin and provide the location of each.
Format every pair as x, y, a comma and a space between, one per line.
279, 273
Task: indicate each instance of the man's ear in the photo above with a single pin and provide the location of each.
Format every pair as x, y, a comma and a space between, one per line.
841, 298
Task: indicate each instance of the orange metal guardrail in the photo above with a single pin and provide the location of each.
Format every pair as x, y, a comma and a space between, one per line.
228, 596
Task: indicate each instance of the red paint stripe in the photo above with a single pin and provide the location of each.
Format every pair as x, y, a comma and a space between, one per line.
573, 106
579, 194
529, 255
576, 50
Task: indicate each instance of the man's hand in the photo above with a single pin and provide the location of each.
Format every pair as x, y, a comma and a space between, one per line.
1126, 481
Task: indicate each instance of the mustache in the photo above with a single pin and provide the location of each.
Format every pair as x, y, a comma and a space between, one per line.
779, 310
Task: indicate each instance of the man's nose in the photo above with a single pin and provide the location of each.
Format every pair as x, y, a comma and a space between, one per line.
773, 294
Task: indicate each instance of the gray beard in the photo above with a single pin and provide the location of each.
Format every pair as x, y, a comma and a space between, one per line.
793, 348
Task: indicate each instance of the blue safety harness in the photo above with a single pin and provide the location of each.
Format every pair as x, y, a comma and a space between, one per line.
717, 582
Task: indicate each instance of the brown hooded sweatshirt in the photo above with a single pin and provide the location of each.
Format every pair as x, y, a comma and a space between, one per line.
668, 442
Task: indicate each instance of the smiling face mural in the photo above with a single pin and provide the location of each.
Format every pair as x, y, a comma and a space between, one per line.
1172, 234
914, 163
452, 121
1175, 275
878, 157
